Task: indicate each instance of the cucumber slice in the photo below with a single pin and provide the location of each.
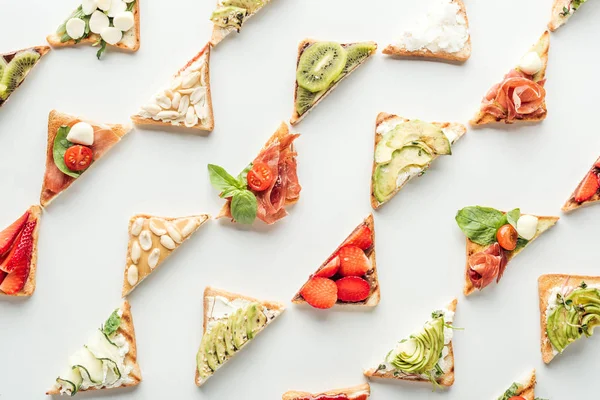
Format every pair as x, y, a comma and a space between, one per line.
71, 379
89, 366
106, 351
112, 371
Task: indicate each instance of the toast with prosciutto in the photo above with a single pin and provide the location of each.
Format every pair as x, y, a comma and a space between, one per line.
520, 96
562, 11
14, 68
360, 392
523, 389
493, 238
265, 187
588, 190
74, 145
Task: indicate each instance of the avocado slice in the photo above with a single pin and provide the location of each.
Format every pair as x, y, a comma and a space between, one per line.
255, 318
240, 336
219, 339
229, 16
228, 335
210, 351
408, 133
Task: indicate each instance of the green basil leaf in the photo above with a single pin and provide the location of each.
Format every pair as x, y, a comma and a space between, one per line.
480, 224
244, 207
61, 144
511, 392
112, 323
222, 180
513, 216
521, 243
243, 176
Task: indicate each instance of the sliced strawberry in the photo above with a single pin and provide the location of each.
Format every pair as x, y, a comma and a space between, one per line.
353, 289
330, 269
24, 248
2, 276
587, 188
320, 292
15, 281
353, 261
7, 257
9, 235
361, 237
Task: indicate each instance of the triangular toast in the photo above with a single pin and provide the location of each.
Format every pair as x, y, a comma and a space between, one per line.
360, 392
524, 387
588, 190
386, 123
306, 43
24, 60
445, 379
550, 286
541, 48
215, 317
462, 55
153, 239
368, 227
124, 336
562, 11
198, 96
129, 42
56, 181
544, 223
18, 267
219, 33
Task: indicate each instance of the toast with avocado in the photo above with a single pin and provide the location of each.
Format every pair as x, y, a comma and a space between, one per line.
441, 35
360, 392
562, 11
588, 190
15, 67
520, 96
493, 238
425, 356
320, 67
108, 360
349, 276
231, 15
231, 321
521, 389
404, 149
569, 310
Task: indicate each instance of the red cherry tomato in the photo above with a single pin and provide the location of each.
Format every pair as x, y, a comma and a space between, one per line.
517, 398
507, 237
260, 177
78, 158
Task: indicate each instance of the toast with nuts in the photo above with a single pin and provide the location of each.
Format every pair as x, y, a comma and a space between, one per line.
360, 392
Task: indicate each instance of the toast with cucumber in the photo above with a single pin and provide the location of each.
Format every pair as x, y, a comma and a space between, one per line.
522, 389
14, 68
108, 360
320, 67
231, 321
360, 392
231, 15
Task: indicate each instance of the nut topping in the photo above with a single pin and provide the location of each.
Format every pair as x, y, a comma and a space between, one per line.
167, 242
132, 275
174, 232
153, 258
136, 227
136, 252
145, 240
155, 229
191, 226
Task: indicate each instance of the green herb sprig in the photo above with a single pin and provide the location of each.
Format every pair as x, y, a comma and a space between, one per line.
112, 323
244, 205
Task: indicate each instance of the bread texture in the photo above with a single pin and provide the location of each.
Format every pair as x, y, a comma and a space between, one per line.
350, 392
544, 223
219, 33
460, 56
372, 278
572, 205
559, 18
382, 117
296, 118
527, 386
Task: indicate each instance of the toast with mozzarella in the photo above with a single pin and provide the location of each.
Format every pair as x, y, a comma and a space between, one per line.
523, 388
15, 66
231, 15
360, 392
588, 190
562, 11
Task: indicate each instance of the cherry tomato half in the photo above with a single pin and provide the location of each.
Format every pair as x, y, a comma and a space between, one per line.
517, 398
78, 158
260, 177
507, 237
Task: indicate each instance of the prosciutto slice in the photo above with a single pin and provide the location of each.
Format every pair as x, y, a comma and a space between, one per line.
487, 265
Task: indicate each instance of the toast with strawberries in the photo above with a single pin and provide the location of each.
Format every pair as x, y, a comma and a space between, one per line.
588, 190
360, 392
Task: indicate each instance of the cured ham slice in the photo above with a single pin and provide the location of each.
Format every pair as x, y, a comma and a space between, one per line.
486, 266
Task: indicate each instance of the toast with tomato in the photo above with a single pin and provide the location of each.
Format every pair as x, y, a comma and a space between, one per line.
522, 389
348, 277
360, 392
588, 190
74, 145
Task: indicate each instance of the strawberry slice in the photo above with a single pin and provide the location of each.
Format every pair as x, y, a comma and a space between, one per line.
353, 289
9, 235
15, 281
6, 259
361, 237
320, 292
353, 261
2, 276
330, 269
597, 164
587, 188
21, 257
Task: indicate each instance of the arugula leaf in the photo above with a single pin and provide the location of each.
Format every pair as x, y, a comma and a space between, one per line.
512, 391
61, 144
222, 180
102, 49
112, 323
480, 224
244, 207
130, 5
513, 216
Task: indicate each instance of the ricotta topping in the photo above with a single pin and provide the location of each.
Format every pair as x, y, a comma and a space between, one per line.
220, 308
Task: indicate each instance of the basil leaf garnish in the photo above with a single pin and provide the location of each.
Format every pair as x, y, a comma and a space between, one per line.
222, 180
61, 144
112, 323
480, 224
513, 216
244, 207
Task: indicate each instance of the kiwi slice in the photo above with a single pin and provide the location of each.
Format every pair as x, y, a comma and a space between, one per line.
319, 65
306, 99
2, 66
357, 53
16, 71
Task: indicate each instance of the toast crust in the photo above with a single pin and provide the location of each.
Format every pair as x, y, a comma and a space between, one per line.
544, 223
349, 392
296, 118
54, 40
210, 125
41, 50
382, 117
571, 204
373, 279
528, 391
447, 379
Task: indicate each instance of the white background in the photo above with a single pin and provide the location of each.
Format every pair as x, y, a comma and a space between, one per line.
420, 250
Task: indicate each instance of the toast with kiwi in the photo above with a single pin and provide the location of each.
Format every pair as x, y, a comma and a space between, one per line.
231, 15
186, 101
360, 392
14, 68
522, 388
562, 11
231, 321
450, 45
101, 23
320, 67
588, 190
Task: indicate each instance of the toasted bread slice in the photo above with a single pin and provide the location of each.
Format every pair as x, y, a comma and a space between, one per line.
105, 137
562, 11
524, 387
452, 130
370, 276
127, 330
5, 64
201, 64
544, 223
542, 48
153, 239
446, 379
130, 41
460, 56
573, 204
219, 33
545, 285
272, 309
360, 392
35, 213
296, 118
